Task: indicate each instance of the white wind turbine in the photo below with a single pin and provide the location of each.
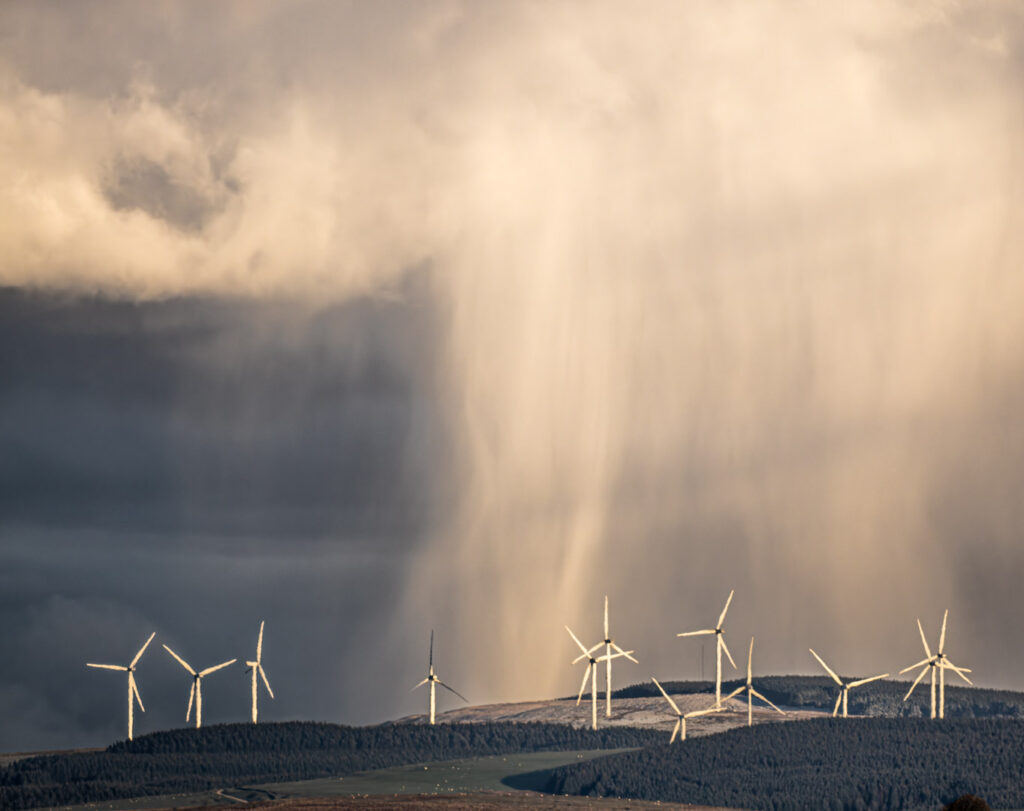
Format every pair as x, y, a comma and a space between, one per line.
938, 662
718, 632
844, 688
133, 690
254, 667
591, 671
680, 727
609, 643
433, 681
196, 693
749, 687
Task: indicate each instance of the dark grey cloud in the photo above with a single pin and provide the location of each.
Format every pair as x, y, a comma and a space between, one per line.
193, 467
226, 417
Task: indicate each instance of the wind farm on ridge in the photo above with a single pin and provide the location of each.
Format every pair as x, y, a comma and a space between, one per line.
935, 664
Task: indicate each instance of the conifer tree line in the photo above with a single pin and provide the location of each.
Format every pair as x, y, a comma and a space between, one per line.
190, 760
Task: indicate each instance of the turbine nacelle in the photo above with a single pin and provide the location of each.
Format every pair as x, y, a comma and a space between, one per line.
935, 663
719, 633
133, 689
254, 667
434, 682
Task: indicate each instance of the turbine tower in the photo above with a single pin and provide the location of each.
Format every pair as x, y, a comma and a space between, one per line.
254, 667
196, 693
434, 681
609, 643
749, 687
680, 727
591, 671
844, 688
133, 689
718, 631
939, 662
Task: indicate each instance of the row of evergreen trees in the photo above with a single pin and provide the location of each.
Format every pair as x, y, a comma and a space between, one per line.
190, 760
835, 764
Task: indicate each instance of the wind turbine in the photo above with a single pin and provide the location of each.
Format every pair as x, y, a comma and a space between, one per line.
609, 643
718, 632
938, 662
844, 688
255, 667
433, 681
133, 690
680, 727
749, 687
196, 693
591, 671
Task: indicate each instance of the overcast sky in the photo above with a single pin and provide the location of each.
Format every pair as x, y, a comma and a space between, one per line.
365, 319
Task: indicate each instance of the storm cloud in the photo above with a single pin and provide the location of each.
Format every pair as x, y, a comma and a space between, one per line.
463, 316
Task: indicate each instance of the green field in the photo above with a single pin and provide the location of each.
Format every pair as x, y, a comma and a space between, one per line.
465, 775
469, 774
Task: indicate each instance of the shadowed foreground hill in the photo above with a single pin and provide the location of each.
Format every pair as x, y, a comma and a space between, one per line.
187, 760
841, 764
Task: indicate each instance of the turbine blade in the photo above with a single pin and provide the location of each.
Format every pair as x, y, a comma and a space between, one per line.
259, 645
184, 664
668, 698
916, 682
721, 619
576, 639
709, 711
726, 649
452, 690
916, 664
135, 690
698, 633
924, 641
750, 661
419, 685
959, 671
675, 730
583, 685
828, 670
627, 654
108, 667
942, 633
606, 616
142, 650
596, 647
191, 696
839, 700
210, 670
735, 693
263, 675
859, 682
766, 701
431, 647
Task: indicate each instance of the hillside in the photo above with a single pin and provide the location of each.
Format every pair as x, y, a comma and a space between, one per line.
189, 760
839, 764
880, 698
639, 712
